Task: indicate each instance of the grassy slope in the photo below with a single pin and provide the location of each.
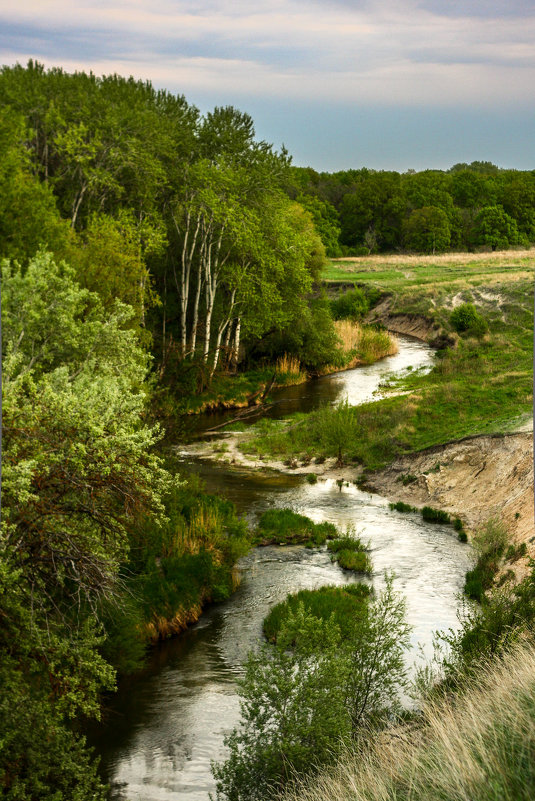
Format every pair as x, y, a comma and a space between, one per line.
478, 387
481, 747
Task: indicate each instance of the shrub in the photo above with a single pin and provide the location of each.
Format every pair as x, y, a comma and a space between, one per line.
312, 478
352, 305
462, 536
465, 319
431, 515
306, 698
489, 543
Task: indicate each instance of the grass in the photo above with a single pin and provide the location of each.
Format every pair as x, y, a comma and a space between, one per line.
403, 271
350, 553
481, 747
288, 371
364, 344
481, 386
489, 543
286, 527
343, 603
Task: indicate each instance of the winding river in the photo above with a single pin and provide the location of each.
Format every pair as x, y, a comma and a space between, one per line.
164, 726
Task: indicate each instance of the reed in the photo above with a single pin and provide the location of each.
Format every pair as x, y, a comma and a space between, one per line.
288, 370
364, 344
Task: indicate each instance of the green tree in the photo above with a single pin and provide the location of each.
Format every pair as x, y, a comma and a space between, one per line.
78, 471
308, 697
427, 230
495, 228
326, 222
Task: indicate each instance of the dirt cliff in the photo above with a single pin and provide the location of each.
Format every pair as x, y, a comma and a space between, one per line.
474, 478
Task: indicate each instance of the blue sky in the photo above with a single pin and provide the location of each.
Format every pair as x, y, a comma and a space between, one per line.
342, 83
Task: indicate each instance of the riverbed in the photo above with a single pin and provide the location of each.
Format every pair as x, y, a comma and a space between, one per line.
165, 725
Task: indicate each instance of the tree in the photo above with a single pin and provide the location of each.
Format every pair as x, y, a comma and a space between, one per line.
308, 697
427, 230
326, 222
78, 471
495, 228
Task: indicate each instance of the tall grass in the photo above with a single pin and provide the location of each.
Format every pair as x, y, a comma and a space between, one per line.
479, 748
286, 527
364, 344
288, 370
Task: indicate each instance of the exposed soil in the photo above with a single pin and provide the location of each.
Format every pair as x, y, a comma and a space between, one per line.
475, 478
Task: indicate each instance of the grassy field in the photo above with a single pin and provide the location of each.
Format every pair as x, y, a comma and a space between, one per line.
404, 271
480, 385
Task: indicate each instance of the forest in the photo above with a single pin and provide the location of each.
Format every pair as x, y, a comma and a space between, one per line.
152, 254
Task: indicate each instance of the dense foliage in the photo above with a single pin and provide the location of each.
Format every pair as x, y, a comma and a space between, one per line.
184, 217
79, 471
469, 206
316, 691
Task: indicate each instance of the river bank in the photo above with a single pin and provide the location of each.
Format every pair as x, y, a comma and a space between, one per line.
455, 477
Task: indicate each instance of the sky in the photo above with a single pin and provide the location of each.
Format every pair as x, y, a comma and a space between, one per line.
386, 84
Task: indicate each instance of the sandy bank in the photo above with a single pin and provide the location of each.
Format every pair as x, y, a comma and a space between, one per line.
475, 478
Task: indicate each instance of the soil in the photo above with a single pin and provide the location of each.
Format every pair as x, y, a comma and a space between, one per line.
475, 478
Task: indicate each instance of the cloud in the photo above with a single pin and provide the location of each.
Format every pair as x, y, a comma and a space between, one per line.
412, 52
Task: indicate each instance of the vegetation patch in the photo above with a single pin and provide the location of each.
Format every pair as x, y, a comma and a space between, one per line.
400, 506
340, 605
351, 554
286, 527
489, 543
431, 515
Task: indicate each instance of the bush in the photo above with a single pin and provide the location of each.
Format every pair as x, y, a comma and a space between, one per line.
352, 305
305, 699
489, 543
462, 536
431, 515
465, 319
312, 478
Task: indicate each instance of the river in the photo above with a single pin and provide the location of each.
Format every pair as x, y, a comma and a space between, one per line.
165, 725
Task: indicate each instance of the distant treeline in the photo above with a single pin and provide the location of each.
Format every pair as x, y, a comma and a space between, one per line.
364, 211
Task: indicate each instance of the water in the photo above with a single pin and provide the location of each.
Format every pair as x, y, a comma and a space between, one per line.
164, 726
358, 386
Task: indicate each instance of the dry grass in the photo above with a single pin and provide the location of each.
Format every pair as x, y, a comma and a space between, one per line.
503, 257
288, 364
368, 343
480, 746
288, 370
